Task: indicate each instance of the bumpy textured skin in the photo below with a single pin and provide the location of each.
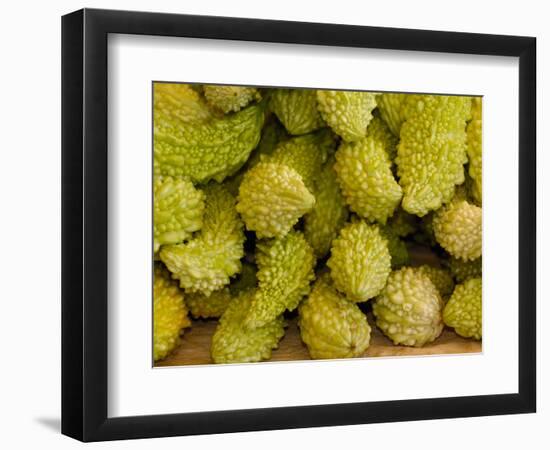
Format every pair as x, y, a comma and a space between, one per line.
392, 108
285, 270
347, 113
305, 154
360, 261
328, 216
463, 310
457, 228
246, 280
462, 270
232, 342
474, 148
169, 314
330, 326
178, 211
180, 103
205, 150
379, 130
272, 198
409, 309
296, 109
230, 98
206, 263
397, 248
365, 176
441, 279
432, 151
206, 307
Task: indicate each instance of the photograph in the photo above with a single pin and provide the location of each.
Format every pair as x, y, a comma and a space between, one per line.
298, 223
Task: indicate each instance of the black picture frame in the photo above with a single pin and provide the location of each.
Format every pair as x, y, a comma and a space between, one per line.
84, 224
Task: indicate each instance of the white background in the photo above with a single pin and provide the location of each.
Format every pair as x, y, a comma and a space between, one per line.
30, 196
138, 390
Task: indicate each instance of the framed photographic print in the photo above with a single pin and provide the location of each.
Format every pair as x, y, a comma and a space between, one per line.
273, 224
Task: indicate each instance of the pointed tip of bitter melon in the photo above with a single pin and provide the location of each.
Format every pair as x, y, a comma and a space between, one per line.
272, 198
347, 113
230, 98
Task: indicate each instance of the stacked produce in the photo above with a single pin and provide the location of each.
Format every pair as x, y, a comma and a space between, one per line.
272, 205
